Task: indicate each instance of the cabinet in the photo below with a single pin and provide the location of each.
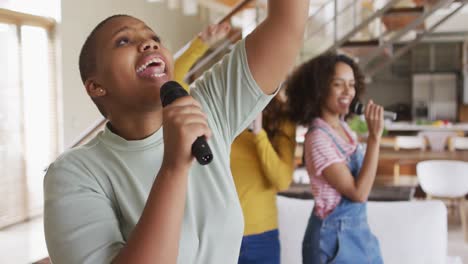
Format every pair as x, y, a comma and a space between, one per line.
421, 58
437, 57
436, 92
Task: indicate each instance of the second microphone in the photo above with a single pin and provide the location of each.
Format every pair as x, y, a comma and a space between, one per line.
358, 108
170, 91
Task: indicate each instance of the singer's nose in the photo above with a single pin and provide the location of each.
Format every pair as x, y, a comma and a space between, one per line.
149, 44
349, 89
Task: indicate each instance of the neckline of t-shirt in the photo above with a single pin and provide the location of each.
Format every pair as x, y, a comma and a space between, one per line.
115, 141
342, 141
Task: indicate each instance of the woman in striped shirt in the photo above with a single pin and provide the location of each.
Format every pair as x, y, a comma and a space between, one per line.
320, 93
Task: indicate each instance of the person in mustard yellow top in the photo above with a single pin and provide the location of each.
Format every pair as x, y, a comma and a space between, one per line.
199, 45
262, 163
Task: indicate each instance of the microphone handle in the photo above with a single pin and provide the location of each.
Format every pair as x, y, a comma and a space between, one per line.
169, 92
358, 108
201, 150
390, 115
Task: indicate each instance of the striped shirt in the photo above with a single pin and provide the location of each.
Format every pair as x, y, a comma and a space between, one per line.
321, 152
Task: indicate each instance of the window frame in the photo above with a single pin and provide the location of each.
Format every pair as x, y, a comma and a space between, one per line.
18, 20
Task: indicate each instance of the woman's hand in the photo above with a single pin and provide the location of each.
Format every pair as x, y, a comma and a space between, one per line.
214, 33
183, 122
257, 124
374, 119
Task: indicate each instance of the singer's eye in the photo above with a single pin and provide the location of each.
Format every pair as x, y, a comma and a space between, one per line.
122, 41
157, 39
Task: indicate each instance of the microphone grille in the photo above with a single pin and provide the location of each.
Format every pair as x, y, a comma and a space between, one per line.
358, 108
170, 91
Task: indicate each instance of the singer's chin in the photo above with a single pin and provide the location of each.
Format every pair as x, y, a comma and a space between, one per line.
345, 111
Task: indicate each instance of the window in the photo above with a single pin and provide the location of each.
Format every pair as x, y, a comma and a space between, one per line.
28, 108
44, 8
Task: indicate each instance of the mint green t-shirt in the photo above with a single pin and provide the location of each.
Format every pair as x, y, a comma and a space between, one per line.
95, 194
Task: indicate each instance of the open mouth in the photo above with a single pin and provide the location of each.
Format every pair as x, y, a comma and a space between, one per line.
344, 101
154, 67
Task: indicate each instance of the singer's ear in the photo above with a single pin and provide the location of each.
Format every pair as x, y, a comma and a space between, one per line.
94, 89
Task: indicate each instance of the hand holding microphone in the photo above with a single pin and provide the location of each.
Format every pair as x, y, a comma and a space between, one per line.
188, 118
374, 115
358, 108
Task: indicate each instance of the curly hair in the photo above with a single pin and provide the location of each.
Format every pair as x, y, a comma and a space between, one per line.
309, 85
274, 115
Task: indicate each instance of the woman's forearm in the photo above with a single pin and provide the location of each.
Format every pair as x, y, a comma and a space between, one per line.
369, 169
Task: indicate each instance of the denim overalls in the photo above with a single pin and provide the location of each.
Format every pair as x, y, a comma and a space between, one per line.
344, 235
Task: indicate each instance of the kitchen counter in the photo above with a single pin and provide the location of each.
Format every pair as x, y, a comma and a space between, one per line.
407, 126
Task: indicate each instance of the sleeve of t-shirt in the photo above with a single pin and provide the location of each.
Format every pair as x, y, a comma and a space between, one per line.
320, 152
80, 222
230, 95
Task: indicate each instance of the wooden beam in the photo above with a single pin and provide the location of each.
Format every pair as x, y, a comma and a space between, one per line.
405, 10
14, 17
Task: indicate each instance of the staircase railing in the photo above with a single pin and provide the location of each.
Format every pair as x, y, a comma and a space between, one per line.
401, 51
384, 40
339, 41
99, 124
337, 13
419, 20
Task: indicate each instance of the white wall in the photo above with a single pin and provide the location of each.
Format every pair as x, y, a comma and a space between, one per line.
455, 23
78, 19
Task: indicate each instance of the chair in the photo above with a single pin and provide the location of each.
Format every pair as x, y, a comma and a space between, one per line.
410, 142
446, 179
457, 142
437, 139
407, 143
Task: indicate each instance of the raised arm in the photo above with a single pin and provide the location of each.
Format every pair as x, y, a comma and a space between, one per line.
183, 64
278, 165
339, 176
199, 45
273, 46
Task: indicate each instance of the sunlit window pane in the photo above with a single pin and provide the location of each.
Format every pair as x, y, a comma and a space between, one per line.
37, 108
12, 205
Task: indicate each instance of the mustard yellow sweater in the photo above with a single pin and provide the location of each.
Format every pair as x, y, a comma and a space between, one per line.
260, 172
183, 64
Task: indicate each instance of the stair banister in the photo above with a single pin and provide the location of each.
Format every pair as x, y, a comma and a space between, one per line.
400, 52
441, 3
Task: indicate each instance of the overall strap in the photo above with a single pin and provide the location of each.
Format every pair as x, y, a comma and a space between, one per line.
331, 136
311, 128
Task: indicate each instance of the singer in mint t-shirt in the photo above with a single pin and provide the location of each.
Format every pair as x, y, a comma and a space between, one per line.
133, 193
103, 185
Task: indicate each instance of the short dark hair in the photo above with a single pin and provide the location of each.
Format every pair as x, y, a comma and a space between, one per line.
309, 85
87, 59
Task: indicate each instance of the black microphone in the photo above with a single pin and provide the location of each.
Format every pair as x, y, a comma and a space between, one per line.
358, 108
169, 92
